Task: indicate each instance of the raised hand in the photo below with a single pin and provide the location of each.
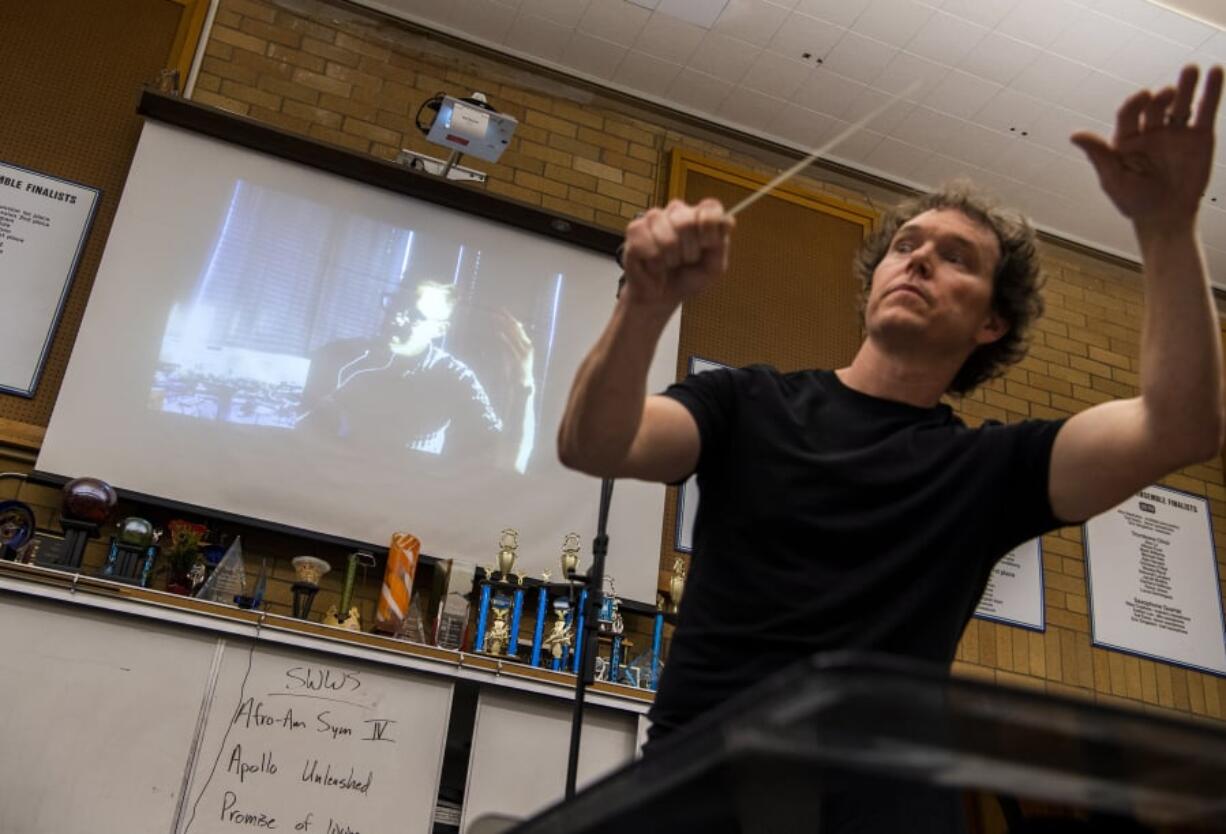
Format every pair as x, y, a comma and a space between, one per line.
674, 252
1157, 166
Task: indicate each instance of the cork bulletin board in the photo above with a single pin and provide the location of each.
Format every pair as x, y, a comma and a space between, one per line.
72, 71
789, 298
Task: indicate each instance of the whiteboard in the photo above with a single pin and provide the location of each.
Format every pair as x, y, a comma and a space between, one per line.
311, 742
520, 748
98, 719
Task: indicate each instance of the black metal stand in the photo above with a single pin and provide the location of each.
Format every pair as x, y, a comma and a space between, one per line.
586, 641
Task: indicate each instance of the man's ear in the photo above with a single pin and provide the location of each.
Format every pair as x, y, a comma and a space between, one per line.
994, 327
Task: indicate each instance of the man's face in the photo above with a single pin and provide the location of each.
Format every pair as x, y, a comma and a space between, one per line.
933, 288
421, 324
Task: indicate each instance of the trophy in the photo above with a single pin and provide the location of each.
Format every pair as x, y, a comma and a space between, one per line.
307, 572
500, 633
499, 587
570, 554
129, 547
676, 585
558, 641
507, 545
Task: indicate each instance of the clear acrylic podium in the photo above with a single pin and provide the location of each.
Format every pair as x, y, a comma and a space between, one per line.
855, 743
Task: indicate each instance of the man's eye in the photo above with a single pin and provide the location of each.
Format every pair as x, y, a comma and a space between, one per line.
904, 246
955, 257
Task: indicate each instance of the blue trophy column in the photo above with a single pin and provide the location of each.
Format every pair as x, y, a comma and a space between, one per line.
482, 615
542, 604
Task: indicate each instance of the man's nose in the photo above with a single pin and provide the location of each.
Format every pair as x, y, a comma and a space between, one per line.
920, 261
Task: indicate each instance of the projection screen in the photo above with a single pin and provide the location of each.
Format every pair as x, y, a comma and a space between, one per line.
281, 343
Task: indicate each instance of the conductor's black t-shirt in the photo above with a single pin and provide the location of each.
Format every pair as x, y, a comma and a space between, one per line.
830, 519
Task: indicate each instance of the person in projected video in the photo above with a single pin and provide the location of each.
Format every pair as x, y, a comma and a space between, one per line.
403, 390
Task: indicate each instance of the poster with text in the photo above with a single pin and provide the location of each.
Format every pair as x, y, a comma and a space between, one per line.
1153, 580
687, 495
1014, 593
44, 221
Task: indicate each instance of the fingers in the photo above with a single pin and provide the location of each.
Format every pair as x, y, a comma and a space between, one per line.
677, 235
1181, 107
1102, 157
1212, 94
1128, 118
1155, 111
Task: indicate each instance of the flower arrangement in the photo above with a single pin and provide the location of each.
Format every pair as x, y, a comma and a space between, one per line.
182, 548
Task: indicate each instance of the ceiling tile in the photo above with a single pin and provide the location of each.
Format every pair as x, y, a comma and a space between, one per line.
1011, 112
776, 75
897, 158
892, 21
1091, 37
1024, 159
646, 4
868, 100
646, 73
483, 19
1050, 78
999, 58
614, 20
859, 58
842, 12
1099, 96
978, 145
984, 12
907, 69
802, 127
1180, 28
946, 39
564, 12
1213, 226
1147, 59
828, 92
668, 38
801, 33
538, 37
593, 56
724, 57
855, 147
1038, 21
1139, 13
1216, 46
699, 91
960, 94
938, 169
755, 21
436, 11
701, 12
926, 127
750, 109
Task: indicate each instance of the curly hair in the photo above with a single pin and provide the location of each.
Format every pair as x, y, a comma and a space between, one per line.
1016, 281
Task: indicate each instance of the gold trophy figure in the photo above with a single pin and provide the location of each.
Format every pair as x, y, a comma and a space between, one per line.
676, 585
507, 545
570, 554
499, 634
559, 637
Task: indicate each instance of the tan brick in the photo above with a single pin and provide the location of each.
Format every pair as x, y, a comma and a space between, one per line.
1076, 604
336, 137
615, 222
1051, 384
597, 202
1075, 376
644, 152
234, 37
519, 162
305, 27
324, 84
631, 210
296, 57
1069, 671
222, 102
1069, 346
1053, 357
279, 119
1035, 646
271, 33
288, 89
352, 76
629, 195
229, 70
1115, 360
251, 95
598, 170
555, 126
1179, 690
217, 49
631, 133
1090, 366
371, 131
578, 115
1069, 317
1004, 647
987, 642
603, 140
251, 9
1115, 389
539, 183
531, 100
629, 164
969, 644
515, 192
1063, 583
1006, 402
225, 17
1090, 395
567, 208
207, 81
1028, 393
584, 182
573, 146
544, 153
1050, 325
638, 183
362, 47
319, 115
331, 52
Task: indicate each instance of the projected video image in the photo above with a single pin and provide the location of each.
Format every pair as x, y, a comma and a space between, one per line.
384, 339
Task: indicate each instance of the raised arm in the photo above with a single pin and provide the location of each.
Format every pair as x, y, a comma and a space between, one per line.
1155, 171
611, 428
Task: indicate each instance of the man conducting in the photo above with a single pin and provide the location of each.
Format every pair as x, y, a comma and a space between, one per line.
850, 508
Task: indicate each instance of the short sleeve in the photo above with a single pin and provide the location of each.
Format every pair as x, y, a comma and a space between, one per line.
710, 396
1021, 455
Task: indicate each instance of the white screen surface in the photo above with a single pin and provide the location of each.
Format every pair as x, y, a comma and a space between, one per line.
281, 343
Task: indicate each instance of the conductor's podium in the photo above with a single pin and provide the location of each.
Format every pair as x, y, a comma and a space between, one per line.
846, 743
